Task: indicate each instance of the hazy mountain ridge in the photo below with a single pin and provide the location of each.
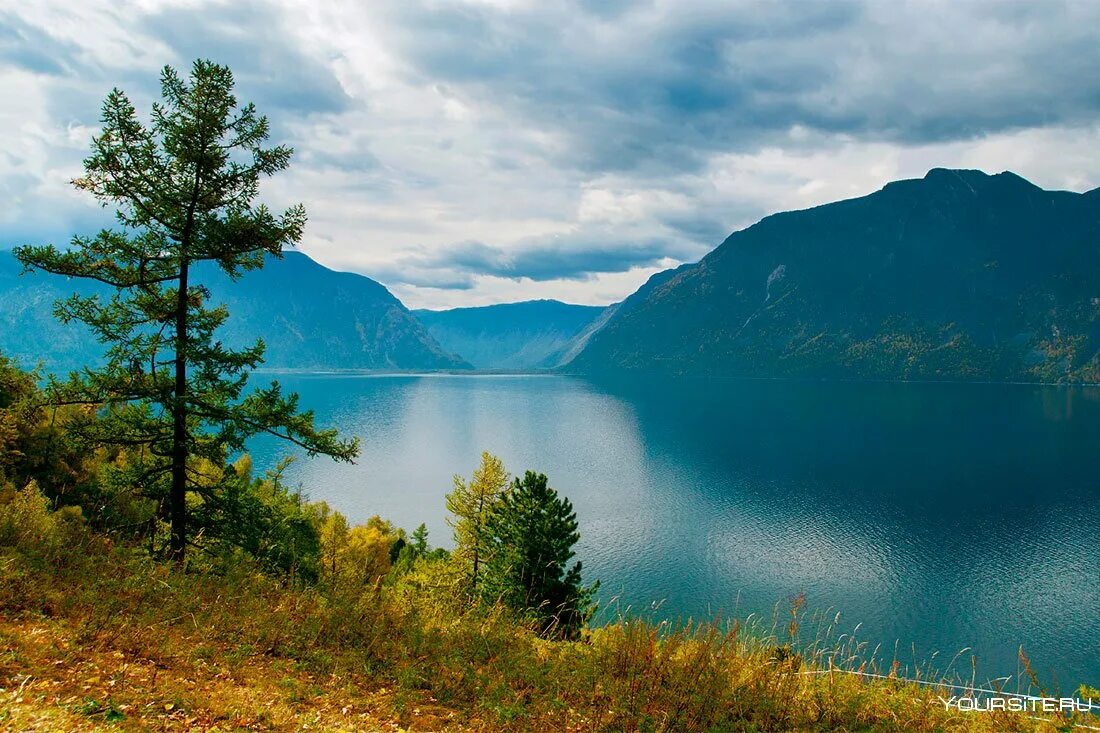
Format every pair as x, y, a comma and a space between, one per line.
958, 275
524, 335
310, 317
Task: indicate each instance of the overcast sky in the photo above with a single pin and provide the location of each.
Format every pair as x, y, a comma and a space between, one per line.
480, 151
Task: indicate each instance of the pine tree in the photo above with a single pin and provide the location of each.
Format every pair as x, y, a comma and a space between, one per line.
333, 533
419, 540
532, 532
470, 505
171, 393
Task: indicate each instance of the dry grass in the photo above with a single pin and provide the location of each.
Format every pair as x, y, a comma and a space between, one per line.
100, 637
54, 683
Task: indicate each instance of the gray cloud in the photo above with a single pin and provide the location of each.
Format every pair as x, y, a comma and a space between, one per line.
664, 85
580, 256
25, 46
248, 36
555, 259
409, 273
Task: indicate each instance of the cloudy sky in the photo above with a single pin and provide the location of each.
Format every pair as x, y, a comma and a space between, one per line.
478, 151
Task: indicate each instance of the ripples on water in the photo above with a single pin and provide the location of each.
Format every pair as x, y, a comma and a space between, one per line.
938, 515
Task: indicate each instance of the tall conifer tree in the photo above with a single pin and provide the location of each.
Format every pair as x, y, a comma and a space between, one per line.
532, 532
171, 392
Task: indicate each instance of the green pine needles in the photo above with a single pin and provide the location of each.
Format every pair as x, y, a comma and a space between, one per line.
515, 542
171, 393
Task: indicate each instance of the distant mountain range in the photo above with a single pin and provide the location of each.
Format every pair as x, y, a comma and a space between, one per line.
310, 317
524, 335
958, 275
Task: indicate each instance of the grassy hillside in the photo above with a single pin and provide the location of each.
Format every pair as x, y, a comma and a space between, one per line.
94, 635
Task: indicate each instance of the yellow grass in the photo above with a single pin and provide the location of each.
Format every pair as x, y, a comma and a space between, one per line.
95, 636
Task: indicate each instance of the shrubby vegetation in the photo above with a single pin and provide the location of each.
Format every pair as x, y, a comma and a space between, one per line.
517, 535
520, 541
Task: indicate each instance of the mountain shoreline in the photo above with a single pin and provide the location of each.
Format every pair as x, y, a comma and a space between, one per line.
645, 376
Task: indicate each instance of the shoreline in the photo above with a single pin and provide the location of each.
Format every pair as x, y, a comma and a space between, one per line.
646, 376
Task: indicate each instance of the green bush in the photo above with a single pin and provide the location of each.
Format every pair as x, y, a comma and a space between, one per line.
27, 524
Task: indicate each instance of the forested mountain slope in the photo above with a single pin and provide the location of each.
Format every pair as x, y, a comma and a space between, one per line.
958, 275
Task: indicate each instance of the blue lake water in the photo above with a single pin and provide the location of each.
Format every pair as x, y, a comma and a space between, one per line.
937, 516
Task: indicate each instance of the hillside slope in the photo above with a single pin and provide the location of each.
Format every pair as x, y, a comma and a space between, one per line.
571, 349
310, 317
959, 275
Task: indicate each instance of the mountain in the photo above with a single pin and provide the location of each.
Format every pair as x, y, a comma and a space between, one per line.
958, 275
28, 329
312, 317
309, 317
570, 350
510, 335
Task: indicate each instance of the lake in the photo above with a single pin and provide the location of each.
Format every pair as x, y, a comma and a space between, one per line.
937, 516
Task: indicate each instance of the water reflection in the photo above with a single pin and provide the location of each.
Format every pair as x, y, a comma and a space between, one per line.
939, 515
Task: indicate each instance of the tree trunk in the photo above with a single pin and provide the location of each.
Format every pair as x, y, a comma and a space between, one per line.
480, 526
178, 496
